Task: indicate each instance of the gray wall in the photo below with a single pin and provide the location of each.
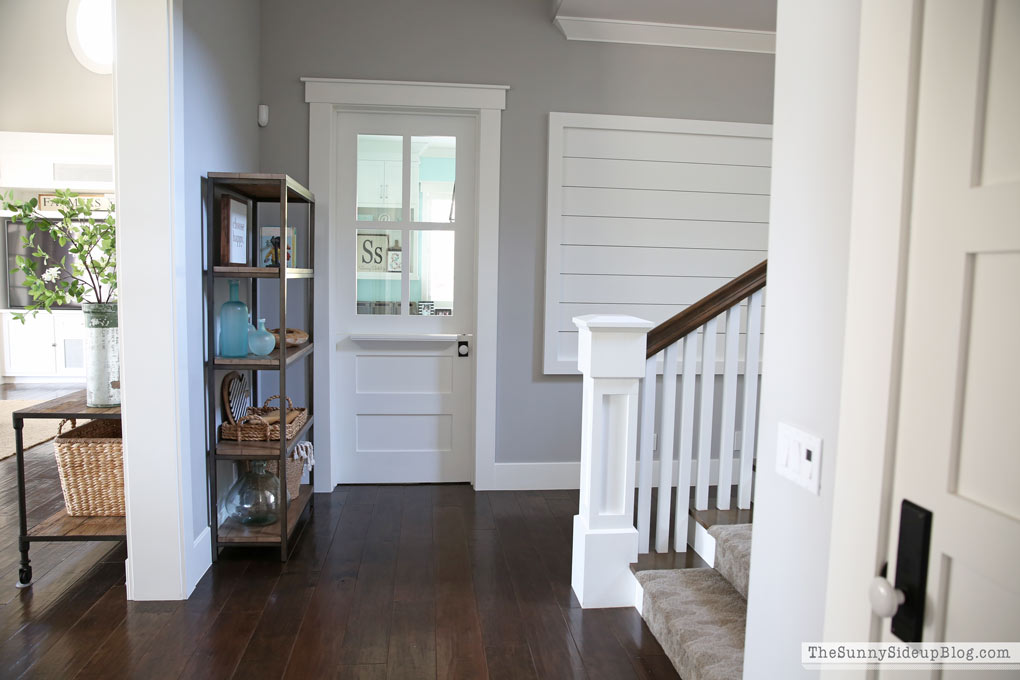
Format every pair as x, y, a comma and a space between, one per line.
44, 88
812, 167
507, 42
221, 93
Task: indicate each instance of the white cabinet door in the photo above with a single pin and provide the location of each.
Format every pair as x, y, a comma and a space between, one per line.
371, 183
393, 182
69, 343
29, 348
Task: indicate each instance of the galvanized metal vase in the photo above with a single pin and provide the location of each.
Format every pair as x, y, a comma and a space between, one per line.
102, 354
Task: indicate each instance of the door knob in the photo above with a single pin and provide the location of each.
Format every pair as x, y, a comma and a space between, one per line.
885, 599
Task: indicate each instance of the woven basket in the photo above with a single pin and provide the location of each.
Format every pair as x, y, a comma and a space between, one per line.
295, 468
90, 461
253, 428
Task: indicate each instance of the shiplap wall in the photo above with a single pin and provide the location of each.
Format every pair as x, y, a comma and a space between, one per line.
646, 216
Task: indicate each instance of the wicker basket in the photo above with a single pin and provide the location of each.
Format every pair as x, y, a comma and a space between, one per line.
253, 428
295, 468
90, 461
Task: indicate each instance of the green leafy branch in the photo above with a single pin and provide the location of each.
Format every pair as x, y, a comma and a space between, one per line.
91, 240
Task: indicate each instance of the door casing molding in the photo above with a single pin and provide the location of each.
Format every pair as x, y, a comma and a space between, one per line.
326, 97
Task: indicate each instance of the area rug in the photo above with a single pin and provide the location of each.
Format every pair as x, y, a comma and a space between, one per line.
35, 431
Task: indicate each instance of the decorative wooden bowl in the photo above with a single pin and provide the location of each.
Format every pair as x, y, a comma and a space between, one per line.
295, 336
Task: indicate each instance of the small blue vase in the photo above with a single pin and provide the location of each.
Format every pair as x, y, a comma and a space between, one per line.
261, 341
234, 325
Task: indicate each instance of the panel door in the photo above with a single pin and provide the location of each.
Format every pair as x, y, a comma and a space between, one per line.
406, 286
958, 443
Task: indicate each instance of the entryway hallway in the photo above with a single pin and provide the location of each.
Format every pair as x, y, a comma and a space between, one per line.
418, 581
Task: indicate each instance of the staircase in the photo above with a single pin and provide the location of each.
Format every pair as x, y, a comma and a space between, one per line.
631, 537
698, 615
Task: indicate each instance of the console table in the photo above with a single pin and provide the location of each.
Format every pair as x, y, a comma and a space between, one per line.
59, 526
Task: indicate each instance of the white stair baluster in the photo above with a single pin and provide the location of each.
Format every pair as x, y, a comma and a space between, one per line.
647, 420
683, 486
667, 421
729, 408
707, 406
747, 446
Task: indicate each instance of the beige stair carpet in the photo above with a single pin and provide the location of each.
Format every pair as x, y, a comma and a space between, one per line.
733, 553
699, 620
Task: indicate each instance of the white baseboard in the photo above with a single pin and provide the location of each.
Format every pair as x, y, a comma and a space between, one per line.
45, 380
540, 476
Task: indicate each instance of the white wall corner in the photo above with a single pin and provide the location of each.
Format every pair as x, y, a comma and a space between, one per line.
163, 562
666, 35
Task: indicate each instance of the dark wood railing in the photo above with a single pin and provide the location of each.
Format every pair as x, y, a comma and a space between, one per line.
705, 309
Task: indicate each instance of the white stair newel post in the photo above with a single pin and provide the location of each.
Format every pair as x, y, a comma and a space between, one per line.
611, 357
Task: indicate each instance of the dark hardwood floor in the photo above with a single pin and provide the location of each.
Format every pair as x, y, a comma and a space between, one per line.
384, 582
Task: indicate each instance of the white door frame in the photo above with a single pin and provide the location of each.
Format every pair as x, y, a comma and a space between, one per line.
879, 245
327, 96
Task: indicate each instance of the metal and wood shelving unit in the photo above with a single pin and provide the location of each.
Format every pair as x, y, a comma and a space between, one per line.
254, 189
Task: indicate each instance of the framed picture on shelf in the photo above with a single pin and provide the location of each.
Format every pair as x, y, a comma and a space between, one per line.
372, 252
233, 232
270, 246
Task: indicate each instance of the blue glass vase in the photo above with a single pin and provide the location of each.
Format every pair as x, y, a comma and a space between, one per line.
261, 341
234, 325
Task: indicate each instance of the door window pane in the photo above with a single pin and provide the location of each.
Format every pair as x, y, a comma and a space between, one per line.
431, 254
379, 266
433, 178
380, 178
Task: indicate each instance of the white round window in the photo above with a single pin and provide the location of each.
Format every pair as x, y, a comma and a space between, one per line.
90, 32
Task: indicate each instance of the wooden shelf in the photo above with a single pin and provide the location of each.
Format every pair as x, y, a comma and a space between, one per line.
270, 362
232, 531
284, 193
262, 273
71, 405
61, 526
263, 187
232, 450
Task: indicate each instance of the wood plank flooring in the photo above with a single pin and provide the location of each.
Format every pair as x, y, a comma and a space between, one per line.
384, 582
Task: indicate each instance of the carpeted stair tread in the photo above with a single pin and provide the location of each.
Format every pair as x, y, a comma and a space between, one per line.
733, 553
699, 620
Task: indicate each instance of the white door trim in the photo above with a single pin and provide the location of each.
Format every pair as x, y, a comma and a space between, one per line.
880, 222
325, 97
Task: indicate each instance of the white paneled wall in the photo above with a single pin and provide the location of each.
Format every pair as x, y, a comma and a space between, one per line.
646, 216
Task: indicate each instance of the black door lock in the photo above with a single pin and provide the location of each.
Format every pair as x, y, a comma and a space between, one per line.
912, 571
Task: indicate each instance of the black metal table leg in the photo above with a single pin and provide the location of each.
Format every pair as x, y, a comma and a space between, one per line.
25, 571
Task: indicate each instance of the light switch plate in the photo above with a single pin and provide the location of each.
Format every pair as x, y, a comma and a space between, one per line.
799, 457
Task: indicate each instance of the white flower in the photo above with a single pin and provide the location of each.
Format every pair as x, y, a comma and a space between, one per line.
51, 274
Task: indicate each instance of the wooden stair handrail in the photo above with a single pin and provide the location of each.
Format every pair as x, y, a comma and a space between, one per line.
705, 309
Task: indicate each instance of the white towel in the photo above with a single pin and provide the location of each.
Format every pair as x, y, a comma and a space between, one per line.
303, 451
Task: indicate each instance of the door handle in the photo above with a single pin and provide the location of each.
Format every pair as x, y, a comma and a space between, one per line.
463, 349
905, 602
885, 599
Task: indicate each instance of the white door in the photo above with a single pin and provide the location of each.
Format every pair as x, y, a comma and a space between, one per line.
406, 283
958, 440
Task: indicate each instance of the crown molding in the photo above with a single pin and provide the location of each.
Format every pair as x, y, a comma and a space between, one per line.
667, 35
